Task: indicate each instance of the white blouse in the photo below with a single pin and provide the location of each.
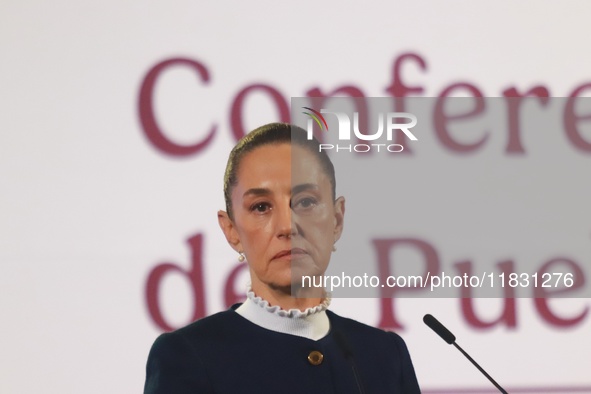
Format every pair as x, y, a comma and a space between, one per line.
312, 323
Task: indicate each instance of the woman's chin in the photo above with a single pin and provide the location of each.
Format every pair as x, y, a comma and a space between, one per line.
295, 284
298, 278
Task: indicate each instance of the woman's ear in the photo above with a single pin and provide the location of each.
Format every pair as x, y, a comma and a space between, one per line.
229, 230
339, 216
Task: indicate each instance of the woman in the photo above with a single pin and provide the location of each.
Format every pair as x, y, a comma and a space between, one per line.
282, 217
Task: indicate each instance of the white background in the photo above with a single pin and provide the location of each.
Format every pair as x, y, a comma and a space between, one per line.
88, 206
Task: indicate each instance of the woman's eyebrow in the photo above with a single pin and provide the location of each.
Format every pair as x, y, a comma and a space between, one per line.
257, 191
304, 186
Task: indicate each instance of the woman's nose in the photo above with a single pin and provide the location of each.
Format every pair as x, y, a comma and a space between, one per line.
286, 226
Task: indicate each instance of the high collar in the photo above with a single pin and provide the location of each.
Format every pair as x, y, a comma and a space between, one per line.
311, 323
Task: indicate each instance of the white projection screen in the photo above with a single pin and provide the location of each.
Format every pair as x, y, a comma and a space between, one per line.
116, 120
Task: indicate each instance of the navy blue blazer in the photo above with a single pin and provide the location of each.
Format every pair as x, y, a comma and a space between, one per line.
226, 353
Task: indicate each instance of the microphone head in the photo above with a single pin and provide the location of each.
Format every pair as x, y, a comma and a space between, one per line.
439, 328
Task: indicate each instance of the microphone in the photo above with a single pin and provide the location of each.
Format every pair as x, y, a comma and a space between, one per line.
348, 353
450, 338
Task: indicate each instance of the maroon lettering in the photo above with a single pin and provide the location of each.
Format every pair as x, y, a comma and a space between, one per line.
236, 113
194, 276
399, 90
146, 110
508, 316
441, 119
542, 293
384, 248
571, 119
513, 100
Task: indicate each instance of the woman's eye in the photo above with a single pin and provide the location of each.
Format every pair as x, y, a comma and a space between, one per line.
260, 207
304, 203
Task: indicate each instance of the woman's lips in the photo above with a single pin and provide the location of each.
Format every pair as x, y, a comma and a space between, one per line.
290, 253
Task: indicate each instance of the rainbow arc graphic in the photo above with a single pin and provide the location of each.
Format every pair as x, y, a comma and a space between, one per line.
318, 118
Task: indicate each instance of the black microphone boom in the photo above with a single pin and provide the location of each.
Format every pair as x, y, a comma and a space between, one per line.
450, 338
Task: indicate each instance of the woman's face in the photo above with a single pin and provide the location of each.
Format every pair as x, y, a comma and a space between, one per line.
284, 216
